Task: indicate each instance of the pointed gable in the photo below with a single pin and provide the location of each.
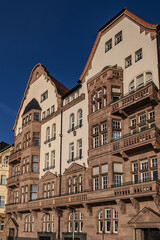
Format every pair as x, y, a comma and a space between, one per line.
38, 71
147, 217
73, 168
144, 26
48, 176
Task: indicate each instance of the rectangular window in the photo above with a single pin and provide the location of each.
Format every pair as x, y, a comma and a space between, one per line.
138, 55
53, 158
144, 176
53, 186
3, 179
108, 45
115, 226
104, 126
154, 162
116, 124
26, 193
96, 183
2, 201
36, 138
140, 80
104, 138
96, 130
133, 122
35, 160
47, 160
1, 225
104, 182
142, 118
117, 180
96, 142
151, 115
134, 166
128, 61
33, 192
116, 135
36, 116
115, 98
118, 37
79, 148
43, 115
71, 151
104, 168
155, 175
135, 178
44, 96
95, 170
144, 165
52, 109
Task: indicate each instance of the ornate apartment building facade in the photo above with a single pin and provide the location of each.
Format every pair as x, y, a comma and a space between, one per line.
5, 151
86, 161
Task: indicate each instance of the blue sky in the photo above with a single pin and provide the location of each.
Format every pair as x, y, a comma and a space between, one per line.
59, 34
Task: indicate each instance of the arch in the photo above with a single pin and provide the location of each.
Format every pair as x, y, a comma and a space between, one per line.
131, 85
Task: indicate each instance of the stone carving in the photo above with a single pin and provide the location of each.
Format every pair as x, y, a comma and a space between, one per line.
135, 204
88, 208
124, 155
121, 205
157, 200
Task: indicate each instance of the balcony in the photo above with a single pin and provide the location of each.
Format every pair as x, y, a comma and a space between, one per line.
15, 158
143, 96
130, 142
13, 182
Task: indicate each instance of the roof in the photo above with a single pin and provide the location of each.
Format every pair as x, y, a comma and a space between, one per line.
72, 90
127, 13
33, 104
60, 87
3, 145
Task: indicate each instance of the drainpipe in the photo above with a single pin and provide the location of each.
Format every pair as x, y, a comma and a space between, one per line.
60, 170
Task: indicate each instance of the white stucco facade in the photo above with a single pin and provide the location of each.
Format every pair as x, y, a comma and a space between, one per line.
132, 40
80, 133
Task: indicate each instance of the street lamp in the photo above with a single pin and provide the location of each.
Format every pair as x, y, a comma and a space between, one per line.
73, 223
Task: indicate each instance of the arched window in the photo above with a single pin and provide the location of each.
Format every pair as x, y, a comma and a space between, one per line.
140, 80
148, 77
131, 86
78, 222
48, 133
48, 222
108, 221
80, 117
72, 121
29, 223
54, 131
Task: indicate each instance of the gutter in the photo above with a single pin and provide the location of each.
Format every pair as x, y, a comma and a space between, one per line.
158, 51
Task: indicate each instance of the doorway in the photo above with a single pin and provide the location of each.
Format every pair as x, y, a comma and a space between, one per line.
151, 234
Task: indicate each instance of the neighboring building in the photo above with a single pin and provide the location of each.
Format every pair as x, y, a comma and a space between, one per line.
87, 160
5, 151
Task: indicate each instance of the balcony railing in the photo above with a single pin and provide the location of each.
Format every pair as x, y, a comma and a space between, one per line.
74, 159
75, 128
148, 91
50, 139
136, 139
15, 158
13, 182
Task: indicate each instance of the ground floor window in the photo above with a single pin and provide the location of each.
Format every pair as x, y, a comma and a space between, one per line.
78, 222
48, 222
108, 221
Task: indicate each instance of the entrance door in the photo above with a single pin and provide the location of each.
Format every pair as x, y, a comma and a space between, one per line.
44, 238
151, 234
11, 234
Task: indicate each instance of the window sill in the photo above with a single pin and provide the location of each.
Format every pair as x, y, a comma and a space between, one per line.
49, 140
75, 128
48, 168
74, 159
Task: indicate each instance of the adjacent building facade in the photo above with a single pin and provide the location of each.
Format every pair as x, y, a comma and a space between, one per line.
5, 151
86, 161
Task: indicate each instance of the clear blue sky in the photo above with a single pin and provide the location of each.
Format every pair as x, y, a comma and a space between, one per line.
59, 34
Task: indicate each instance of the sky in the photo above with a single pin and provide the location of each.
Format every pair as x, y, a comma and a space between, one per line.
57, 33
